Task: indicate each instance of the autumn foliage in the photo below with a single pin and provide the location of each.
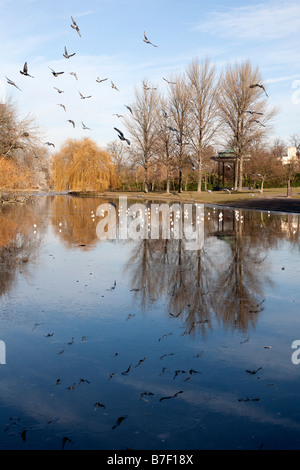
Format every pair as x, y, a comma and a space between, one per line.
81, 165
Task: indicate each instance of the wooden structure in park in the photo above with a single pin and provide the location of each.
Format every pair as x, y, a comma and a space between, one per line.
228, 159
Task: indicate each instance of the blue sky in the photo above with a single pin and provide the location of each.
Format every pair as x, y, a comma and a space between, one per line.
265, 32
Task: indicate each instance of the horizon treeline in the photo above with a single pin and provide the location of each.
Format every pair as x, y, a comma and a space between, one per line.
170, 139
175, 135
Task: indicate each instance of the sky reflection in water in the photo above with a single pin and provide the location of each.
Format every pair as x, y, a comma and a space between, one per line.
163, 348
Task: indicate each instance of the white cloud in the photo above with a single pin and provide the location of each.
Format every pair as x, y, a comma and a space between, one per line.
267, 21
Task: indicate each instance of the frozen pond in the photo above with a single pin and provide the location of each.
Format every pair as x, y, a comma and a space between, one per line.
148, 343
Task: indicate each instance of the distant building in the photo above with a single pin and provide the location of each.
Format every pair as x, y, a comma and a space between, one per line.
290, 157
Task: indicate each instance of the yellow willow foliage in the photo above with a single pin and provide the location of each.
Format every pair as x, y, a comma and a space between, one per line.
14, 176
82, 166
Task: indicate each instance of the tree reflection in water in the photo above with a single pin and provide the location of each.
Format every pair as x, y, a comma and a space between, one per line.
222, 281
22, 227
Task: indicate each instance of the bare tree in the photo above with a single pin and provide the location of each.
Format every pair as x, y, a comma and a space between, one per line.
16, 135
204, 108
141, 124
179, 106
244, 111
165, 143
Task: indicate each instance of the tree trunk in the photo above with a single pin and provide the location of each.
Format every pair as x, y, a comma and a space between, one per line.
199, 180
168, 181
146, 180
180, 182
289, 189
241, 174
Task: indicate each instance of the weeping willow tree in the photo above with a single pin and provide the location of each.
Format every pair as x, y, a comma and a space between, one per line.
81, 165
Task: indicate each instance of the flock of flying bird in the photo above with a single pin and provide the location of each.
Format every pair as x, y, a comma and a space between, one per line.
120, 134
56, 74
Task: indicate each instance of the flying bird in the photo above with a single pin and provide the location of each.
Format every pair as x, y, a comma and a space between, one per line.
75, 26
168, 81
129, 108
66, 55
58, 90
83, 97
259, 86
146, 87
114, 86
257, 122
49, 143
146, 40
84, 126
121, 135
255, 112
10, 82
72, 122
62, 106
119, 421
99, 80
74, 74
118, 115
55, 73
25, 71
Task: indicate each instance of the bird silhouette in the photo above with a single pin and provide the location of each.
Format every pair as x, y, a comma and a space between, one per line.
129, 108
146, 40
55, 74
10, 82
75, 26
118, 115
100, 80
255, 112
58, 90
85, 127
172, 396
119, 421
257, 122
72, 122
62, 106
121, 136
74, 74
168, 81
114, 86
146, 87
50, 144
82, 96
255, 85
66, 55
25, 71
64, 440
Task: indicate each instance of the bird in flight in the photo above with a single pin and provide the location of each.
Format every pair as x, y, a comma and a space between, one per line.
99, 80
146, 40
254, 112
129, 108
66, 55
170, 83
255, 85
72, 122
114, 86
75, 26
84, 126
74, 74
25, 71
146, 87
49, 143
83, 97
58, 90
55, 73
118, 115
257, 122
10, 82
121, 136
62, 106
